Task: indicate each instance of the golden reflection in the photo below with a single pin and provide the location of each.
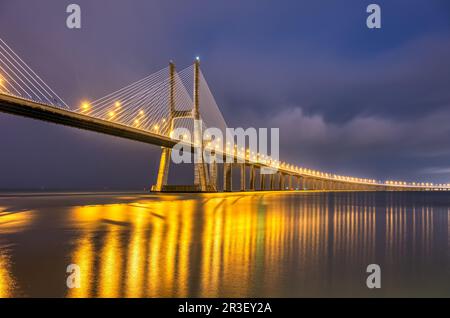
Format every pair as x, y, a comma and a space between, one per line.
111, 254
11, 221
83, 256
239, 244
136, 253
7, 284
14, 220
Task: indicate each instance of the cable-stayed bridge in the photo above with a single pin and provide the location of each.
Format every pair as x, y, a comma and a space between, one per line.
152, 109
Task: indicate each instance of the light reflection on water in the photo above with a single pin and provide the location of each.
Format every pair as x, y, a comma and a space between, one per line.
226, 245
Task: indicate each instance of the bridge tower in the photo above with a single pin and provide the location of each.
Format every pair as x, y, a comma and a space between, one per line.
164, 163
201, 180
200, 170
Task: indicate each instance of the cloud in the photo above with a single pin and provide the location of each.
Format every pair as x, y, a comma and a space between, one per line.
437, 170
367, 144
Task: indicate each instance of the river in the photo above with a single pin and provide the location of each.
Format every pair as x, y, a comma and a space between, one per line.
256, 244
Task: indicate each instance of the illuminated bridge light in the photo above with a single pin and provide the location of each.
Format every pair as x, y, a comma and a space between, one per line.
85, 106
2, 82
117, 104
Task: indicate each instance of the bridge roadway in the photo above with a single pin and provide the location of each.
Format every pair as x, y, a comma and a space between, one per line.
31, 109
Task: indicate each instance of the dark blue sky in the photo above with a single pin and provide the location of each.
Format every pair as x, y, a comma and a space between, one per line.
371, 103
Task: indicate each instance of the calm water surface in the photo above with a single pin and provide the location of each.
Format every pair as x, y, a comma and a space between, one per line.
225, 245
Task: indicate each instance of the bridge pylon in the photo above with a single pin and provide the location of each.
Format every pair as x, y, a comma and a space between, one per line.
166, 153
202, 180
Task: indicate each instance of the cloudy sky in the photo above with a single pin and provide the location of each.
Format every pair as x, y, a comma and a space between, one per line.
349, 100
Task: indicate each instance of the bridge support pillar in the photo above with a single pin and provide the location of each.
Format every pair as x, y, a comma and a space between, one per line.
315, 184
163, 171
290, 182
262, 180
308, 184
243, 177
322, 185
227, 177
213, 172
201, 176
280, 181
272, 181
252, 177
305, 183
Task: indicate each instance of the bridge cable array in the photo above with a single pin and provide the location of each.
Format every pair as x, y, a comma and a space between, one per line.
146, 104
18, 79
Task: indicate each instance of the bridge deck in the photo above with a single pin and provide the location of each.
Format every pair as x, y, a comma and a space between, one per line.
30, 109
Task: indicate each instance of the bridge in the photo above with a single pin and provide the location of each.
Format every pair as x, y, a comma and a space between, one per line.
154, 110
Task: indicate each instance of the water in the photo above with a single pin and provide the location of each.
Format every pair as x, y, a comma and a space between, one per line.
225, 245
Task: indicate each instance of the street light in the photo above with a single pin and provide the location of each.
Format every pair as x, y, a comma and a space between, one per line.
85, 106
